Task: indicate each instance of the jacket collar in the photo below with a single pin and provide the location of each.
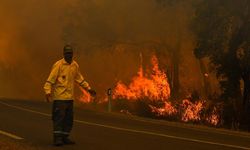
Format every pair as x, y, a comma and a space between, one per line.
64, 62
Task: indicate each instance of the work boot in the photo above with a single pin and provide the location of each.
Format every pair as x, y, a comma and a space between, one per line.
67, 141
58, 141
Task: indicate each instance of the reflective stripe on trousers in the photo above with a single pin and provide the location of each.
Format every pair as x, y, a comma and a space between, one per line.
62, 116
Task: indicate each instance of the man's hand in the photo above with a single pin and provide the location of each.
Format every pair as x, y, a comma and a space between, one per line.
48, 97
92, 92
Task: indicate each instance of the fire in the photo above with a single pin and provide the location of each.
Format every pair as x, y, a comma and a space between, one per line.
154, 86
192, 111
167, 110
189, 111
214, 118
85, 96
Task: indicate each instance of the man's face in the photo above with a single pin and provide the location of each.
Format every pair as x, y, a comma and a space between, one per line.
68, 56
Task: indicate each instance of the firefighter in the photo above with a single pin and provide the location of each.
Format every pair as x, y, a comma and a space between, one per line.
59, 87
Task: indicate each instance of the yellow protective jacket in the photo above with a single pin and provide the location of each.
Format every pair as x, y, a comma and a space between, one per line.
60, 83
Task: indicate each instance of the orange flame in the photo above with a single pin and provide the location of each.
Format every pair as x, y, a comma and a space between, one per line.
85, 96
189, 112
167, 110
192, 111
214, 118
154, 87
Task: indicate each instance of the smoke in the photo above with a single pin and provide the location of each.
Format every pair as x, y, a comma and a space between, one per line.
29, 34
108, 36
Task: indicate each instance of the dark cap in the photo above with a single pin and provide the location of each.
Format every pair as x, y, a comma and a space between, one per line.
67, 49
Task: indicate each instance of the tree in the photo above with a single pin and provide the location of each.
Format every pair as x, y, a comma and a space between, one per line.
223, 34
179, 22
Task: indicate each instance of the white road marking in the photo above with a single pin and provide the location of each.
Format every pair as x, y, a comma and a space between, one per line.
135, 131
202, 129
11, 135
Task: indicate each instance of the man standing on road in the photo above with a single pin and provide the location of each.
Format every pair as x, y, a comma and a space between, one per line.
60, 87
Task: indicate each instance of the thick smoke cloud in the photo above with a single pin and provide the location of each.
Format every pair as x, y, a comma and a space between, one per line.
108, 36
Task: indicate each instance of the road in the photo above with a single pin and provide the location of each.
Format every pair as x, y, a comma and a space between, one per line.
93, 130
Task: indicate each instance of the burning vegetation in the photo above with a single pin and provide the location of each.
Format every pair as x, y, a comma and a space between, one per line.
148, 94
154, 86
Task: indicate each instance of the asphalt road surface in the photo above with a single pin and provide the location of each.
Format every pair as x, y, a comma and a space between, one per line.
30, 121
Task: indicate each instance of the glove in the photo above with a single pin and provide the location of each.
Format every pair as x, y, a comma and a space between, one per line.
92, 92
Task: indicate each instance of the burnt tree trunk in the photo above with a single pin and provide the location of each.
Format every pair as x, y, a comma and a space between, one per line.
206, 88
175, 78
176, 62
246, 99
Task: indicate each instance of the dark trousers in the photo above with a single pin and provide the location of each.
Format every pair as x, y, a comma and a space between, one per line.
62, 116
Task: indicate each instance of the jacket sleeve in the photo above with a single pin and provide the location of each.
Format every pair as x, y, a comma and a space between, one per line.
80, 80
51, 79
